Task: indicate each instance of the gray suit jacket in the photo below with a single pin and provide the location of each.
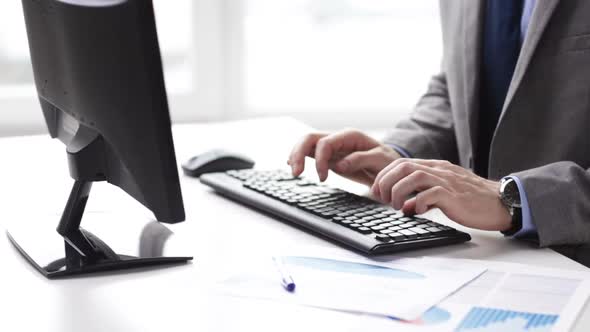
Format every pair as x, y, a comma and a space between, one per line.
543, 135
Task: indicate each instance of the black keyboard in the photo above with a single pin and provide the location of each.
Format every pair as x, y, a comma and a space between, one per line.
353, 220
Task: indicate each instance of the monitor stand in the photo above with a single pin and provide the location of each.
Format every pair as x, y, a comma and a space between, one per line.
83, 252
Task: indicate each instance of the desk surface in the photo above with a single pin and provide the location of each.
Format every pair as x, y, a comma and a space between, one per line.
35, 180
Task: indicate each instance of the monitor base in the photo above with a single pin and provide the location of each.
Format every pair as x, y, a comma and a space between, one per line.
59, 267
134, 242
72, 250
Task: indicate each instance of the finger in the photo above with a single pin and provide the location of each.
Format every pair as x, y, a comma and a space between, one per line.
434, 163
387, 179
419, 180
327, 147
385, 171
434, 197
409, 208
304, 148
323, 153
357, 161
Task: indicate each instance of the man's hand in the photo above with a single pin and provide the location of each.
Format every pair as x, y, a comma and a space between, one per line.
463, 196
349, 153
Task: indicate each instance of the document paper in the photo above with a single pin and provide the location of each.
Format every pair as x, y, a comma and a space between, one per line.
508, 297
401, 288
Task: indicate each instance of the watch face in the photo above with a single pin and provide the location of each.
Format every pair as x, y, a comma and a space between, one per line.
510, 193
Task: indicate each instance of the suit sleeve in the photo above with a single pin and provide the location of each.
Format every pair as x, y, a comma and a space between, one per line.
428, 133
558, 195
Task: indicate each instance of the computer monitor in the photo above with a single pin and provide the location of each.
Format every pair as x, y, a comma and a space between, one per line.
99, 79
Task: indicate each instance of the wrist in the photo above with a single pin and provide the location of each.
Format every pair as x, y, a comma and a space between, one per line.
390, 151
387, 155
394, 154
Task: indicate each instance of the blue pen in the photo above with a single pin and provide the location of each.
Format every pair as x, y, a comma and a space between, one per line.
286, 279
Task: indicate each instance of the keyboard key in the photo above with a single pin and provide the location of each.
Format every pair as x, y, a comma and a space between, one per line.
328, 213
324, 209
393, 214
419, 230
405, 219
386, 231
408, 233
364, 230
397, 236
383, 238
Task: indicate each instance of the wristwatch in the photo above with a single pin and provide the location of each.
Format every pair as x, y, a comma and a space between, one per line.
510, 197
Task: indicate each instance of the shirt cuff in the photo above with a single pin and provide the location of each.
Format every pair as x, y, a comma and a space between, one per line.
403, 152
528, 230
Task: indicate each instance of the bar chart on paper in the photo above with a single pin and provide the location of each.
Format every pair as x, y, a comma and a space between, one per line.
517, 298
508, 297
489, 319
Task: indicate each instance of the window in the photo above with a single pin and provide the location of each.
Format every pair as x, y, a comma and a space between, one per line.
366, 61
334, 56
175, 35
14, 50
19, 109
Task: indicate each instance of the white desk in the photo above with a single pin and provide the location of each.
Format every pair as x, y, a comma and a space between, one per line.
34, 179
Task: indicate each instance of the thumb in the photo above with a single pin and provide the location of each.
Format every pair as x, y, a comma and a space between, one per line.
359, 160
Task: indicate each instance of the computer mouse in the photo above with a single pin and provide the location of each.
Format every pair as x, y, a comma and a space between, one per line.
216, 161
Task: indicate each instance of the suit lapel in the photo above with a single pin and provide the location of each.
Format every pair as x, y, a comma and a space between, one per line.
473, 17
539, 20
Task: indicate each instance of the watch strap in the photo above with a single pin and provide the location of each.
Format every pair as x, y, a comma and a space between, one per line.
516, 222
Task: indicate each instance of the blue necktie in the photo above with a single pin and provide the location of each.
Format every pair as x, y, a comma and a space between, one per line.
501, 47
